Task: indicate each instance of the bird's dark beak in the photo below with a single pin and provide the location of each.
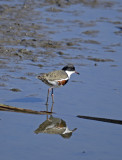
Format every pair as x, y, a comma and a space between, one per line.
77, 72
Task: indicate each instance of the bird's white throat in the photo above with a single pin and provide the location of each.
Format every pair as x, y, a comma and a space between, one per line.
69, 73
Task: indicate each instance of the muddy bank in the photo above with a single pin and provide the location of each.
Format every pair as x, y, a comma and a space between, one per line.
25, 27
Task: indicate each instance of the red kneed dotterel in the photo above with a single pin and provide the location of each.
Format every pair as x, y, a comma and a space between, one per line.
57, 78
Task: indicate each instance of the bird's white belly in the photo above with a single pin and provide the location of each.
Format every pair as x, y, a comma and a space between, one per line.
54, 83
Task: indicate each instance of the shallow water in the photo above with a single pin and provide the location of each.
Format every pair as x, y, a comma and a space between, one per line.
41, 36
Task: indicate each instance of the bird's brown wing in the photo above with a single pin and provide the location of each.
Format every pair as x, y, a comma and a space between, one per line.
56, 75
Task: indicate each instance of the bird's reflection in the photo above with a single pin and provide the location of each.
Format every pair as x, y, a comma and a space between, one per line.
54, 125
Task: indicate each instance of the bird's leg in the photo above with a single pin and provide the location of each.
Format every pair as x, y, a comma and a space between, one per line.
52, 96
47, 110
52, 108
48, 95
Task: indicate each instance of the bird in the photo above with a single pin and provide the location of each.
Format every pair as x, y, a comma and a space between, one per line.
57, 78
54, 125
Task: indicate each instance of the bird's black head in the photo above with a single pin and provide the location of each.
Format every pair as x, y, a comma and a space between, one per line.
68, 67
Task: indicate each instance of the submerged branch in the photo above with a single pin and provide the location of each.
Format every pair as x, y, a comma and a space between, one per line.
29, 111
4, 107
101, 119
